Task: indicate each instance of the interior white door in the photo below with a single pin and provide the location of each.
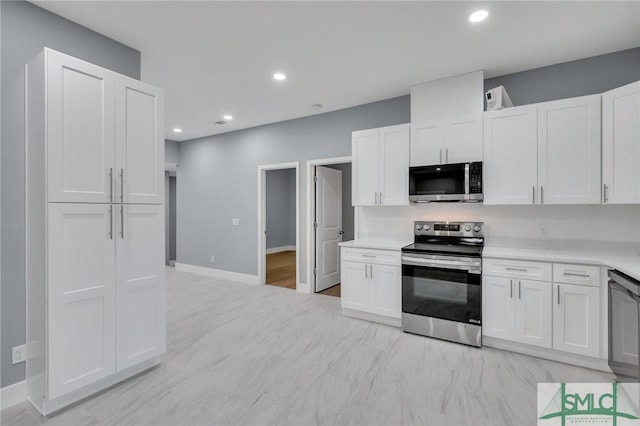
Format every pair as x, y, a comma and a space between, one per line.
533, 312
140, 283
498, 307
366, 164
139, 142
463, 136
329, 226
621, 145
394, 165
510, 149
576, 312
569, 151
427, 143
80, 130
81, 310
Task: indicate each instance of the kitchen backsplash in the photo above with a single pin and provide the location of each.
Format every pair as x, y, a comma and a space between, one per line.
530, 226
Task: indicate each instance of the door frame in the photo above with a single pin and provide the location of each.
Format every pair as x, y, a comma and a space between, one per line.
262, 218
311, 206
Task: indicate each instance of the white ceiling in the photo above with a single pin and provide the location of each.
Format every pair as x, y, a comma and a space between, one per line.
214, 58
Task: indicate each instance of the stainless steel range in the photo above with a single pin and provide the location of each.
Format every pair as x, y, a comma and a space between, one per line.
442, 281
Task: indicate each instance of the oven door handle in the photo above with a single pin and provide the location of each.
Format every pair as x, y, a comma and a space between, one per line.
473, 268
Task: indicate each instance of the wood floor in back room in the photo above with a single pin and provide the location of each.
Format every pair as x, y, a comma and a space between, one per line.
281, 269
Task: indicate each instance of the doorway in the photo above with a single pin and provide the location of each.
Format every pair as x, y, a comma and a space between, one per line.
331, 218
170, 196
278, 222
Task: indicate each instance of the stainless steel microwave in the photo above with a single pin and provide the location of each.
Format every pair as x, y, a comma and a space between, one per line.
446, 182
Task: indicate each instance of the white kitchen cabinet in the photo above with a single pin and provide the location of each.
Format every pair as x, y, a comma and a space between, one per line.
381, 166
371, 283
621, 145
569, 146
576, 314
510, 152
78, 103
139, 142
94, 265
517, 310
546, 153
447, 141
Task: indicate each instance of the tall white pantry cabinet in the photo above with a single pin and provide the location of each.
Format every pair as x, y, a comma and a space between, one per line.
95, 229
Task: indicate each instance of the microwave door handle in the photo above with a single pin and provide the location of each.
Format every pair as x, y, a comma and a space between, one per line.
466, 176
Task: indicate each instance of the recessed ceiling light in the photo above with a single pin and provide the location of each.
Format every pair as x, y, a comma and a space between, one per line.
177, 130
478, 16
228, 117
279, 76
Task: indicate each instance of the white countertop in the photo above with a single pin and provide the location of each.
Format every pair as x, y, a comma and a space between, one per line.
626, 259
376, 244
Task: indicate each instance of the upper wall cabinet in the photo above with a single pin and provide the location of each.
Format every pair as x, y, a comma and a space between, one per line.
381, 166
450, 140
547, 153
103, 136
621, 145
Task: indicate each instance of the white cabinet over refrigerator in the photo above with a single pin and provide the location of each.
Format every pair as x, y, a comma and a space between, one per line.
95, 229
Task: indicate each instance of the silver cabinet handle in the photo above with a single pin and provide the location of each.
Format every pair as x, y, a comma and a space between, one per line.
111, 184
111, 222
365, 271
381, 198
542, 195
533, 195
376, 198
519, 289
558, 287
122, 221
371, 271
122, 185
573, 274
369, 255
440, 155
604, 188
446, 156
515, 269
511, 289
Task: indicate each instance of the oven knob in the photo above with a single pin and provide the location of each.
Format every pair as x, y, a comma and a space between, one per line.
418, 227
467, 228
427, 227
476, 228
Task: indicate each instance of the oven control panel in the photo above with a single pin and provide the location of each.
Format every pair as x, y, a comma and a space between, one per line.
452, 229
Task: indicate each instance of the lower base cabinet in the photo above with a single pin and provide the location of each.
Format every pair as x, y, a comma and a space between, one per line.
575, 320
370, 287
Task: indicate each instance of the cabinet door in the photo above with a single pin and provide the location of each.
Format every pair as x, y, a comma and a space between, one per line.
81, 298
498, 307
427, 143
569, 145
394, 165
463, 136
510, 151
621, 144
576, 314
140, 283
386, 290
366, 167
80, 130
355, 286
139, 142
533, 312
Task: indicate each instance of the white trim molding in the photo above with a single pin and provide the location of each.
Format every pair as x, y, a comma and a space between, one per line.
311, 206
13, 394
218, 273
280, 249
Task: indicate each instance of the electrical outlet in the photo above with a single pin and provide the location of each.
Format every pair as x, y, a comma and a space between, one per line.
213, 259
18, 354
235, 221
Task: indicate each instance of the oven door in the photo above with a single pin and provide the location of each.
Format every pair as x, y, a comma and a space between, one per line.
443, 287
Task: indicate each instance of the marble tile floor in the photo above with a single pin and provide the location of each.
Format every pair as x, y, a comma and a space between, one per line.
245, 355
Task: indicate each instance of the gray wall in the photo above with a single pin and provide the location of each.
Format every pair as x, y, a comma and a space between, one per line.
281, 207
347, 208
217, 179
576, 78
172, 218
171, 151
26, 30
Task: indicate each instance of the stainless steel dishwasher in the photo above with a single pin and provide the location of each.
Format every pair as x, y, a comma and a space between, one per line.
624, 324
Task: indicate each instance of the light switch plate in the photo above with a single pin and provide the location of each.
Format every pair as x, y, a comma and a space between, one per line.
235, 221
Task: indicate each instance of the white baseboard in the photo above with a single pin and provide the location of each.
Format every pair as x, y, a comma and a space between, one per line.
13, 394
218, 273
280, 249
303, 288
